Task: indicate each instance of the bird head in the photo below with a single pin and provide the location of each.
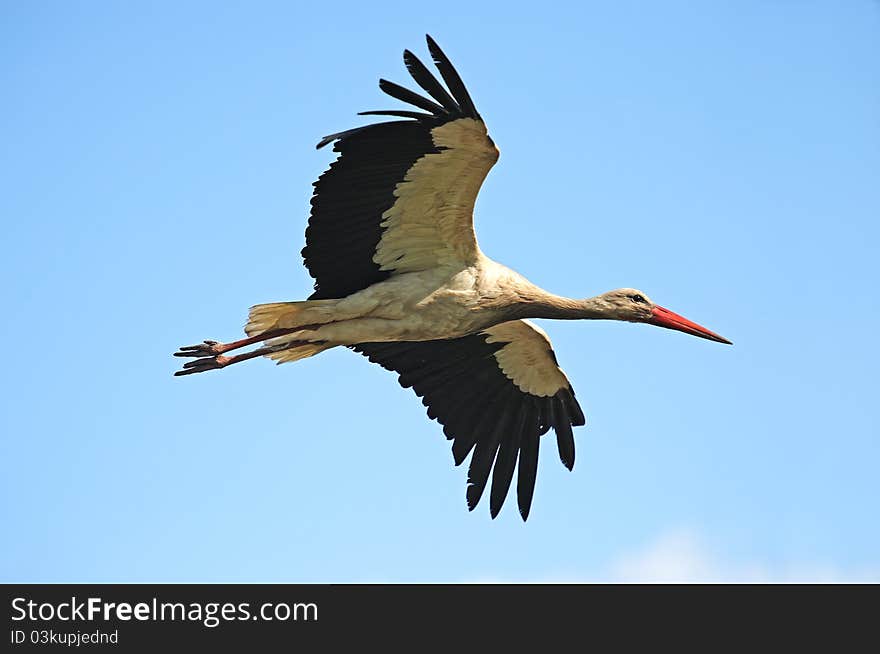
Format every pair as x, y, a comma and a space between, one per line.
635, 306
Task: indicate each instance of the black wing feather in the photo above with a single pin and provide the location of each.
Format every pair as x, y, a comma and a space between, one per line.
573, 408
466, 440
411, 97
429, 83
399, 113
564, 435
484, 454
452, 79
527, 473
482, 410
506, 459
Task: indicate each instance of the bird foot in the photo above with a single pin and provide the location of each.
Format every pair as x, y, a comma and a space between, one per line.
204, 349
202, 365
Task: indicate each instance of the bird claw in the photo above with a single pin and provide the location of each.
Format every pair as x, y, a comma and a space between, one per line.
202, 365
204, 349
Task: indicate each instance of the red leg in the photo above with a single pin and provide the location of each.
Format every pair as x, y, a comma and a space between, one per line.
213, 348
219, 361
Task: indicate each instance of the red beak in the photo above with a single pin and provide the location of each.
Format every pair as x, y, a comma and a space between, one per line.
666, 318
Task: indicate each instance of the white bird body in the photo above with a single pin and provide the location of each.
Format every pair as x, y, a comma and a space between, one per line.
439, 303
400, 278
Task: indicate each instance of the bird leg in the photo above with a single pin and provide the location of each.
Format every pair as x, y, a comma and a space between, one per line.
219, 361
213, 348
211, 353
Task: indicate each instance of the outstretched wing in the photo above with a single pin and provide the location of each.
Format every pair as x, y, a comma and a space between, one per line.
496, 393
400, 196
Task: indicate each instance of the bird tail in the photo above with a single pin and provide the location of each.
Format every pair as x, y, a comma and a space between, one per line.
288, 315
297, 350
285, 315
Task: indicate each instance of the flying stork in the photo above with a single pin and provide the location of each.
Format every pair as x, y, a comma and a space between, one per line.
399, 278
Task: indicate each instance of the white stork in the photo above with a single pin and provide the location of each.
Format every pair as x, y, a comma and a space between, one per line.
399, 277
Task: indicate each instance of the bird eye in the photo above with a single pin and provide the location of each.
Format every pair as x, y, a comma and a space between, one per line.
638, 299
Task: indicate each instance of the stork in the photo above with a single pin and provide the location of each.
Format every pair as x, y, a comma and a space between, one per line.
399, 278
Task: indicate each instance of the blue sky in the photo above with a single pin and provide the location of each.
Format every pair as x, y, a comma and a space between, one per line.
157, 166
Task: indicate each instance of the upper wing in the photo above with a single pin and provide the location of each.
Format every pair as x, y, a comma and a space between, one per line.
495, 392
400, 196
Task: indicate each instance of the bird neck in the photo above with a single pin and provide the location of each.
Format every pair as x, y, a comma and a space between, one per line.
547, 305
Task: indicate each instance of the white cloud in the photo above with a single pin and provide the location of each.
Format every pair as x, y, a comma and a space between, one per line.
681, 556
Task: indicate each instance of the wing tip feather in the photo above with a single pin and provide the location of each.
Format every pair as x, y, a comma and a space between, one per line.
450, 105
453, 79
